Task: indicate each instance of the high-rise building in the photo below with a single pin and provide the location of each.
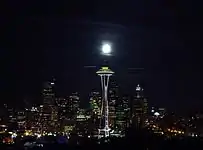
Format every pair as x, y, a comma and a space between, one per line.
95, 112
48, 93
3, 116
33, 119
123, 113
12, 119
62, 105
82, 123
48, 119
73, 105
21, 120
113, 99
63, 111
139, 108
126, 108
95, 104
120, 118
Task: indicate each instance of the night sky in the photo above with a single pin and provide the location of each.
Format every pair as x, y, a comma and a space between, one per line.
59, 39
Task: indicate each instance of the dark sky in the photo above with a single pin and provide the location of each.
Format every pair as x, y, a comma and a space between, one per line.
41, 40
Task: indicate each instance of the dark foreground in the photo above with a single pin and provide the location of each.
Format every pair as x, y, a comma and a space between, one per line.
141, 143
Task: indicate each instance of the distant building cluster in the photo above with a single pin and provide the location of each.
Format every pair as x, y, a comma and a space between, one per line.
64, 114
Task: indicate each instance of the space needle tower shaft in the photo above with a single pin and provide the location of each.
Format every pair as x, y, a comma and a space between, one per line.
105, 74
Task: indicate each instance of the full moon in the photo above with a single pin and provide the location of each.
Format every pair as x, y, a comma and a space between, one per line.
106, 49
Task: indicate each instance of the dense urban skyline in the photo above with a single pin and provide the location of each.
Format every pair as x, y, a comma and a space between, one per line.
64, 116
165, 42
101, 74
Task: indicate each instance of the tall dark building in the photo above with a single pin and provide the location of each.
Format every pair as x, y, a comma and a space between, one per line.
126, 108
48, 119
95, 111
73, 105
123, 113
113, 99
139, 108
33, 119
62, 104
11, 118
95, 104
21, 120
4, 114
48, 93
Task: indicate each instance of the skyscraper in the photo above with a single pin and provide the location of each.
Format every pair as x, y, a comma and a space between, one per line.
62, 104
95, 104
48, 119
122, 113
73, 105
139, 108
48, 93
95, 112
113, 99
21, 120
33, 119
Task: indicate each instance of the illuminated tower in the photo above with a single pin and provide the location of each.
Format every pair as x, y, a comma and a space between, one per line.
73, 104
140, 107
105, 74
48, 116
113, 98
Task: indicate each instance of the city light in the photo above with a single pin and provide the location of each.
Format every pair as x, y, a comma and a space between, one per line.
156, 114
62, 116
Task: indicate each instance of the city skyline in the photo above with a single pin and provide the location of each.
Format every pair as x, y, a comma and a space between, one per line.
85, 95
64, 116
156, 37
112, 114
92, 74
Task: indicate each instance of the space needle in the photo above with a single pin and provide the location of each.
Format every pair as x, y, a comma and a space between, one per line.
104, 72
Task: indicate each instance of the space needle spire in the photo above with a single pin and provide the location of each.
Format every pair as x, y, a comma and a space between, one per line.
104, 73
